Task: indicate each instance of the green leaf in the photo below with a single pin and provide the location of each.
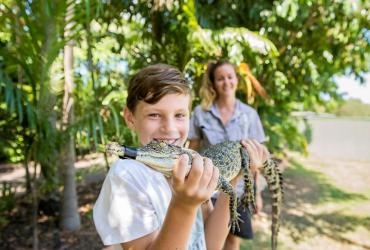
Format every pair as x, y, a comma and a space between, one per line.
88, 11
115, 120
101, 128
9, 96
94, 131
30, 116
19, 105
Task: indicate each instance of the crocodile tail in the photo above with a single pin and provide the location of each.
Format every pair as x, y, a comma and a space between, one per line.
275, 224
248, 198
274, 180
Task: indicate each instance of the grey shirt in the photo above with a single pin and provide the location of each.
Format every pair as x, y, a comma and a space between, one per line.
207, 126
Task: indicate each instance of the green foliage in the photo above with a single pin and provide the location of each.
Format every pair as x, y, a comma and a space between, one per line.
26, 58
316, 40
294, 48
353, 107
89, 215
7, 202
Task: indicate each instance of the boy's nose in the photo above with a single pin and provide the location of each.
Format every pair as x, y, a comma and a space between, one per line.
168, 124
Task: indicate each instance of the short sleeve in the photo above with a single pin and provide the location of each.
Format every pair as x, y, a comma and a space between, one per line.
256, 129
194, 127
123, 211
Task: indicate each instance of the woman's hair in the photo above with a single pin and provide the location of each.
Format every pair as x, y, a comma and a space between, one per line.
207, 90
152, 83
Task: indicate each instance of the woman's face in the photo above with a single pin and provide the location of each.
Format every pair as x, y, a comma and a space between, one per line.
225, 81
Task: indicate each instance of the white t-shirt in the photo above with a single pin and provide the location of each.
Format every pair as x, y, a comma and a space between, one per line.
133, 202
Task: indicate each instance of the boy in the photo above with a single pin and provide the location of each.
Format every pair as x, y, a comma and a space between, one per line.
138, 207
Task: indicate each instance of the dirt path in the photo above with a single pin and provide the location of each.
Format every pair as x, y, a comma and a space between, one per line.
15, 173
327, 204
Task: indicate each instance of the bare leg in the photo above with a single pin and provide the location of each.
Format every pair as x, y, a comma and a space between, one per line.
259, 203
232, 242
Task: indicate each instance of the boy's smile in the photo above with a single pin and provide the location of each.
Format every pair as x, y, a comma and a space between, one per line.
166, 120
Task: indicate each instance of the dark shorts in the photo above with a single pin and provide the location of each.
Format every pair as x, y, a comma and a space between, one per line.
245, 225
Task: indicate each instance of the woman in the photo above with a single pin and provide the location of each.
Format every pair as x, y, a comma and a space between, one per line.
221, 116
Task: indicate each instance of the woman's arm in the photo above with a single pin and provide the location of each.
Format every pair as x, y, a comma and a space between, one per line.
217, 222
216, 226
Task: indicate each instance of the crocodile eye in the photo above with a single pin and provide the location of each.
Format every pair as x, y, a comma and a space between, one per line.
162, 144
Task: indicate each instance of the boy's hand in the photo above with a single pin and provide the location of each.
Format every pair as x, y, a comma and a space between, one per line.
195, 188
258, 153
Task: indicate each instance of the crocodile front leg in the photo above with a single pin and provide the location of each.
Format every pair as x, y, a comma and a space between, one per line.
224, 186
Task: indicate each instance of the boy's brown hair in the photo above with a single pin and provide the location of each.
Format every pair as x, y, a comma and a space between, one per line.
151, 83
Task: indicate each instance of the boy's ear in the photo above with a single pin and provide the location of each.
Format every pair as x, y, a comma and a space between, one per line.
129, 118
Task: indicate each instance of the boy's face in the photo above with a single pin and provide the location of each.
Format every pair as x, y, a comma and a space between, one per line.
166, 120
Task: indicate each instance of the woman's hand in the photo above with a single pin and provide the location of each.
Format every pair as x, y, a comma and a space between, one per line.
258, 153
192, 190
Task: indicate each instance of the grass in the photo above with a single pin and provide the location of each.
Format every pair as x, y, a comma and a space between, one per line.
90, 172
315, 186
318, 212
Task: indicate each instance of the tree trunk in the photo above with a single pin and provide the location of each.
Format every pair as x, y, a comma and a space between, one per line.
70, 216
35, 231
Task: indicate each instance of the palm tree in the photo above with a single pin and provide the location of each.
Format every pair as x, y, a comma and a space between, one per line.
70, 215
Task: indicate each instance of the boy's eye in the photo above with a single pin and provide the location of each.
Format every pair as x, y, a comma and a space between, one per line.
154, 115
180, 115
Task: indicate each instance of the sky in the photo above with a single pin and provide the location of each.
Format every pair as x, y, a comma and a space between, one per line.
353, 88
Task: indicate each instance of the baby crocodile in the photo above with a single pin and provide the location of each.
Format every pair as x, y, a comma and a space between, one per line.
229, 157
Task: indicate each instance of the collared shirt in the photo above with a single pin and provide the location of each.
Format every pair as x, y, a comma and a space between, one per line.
207, 126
